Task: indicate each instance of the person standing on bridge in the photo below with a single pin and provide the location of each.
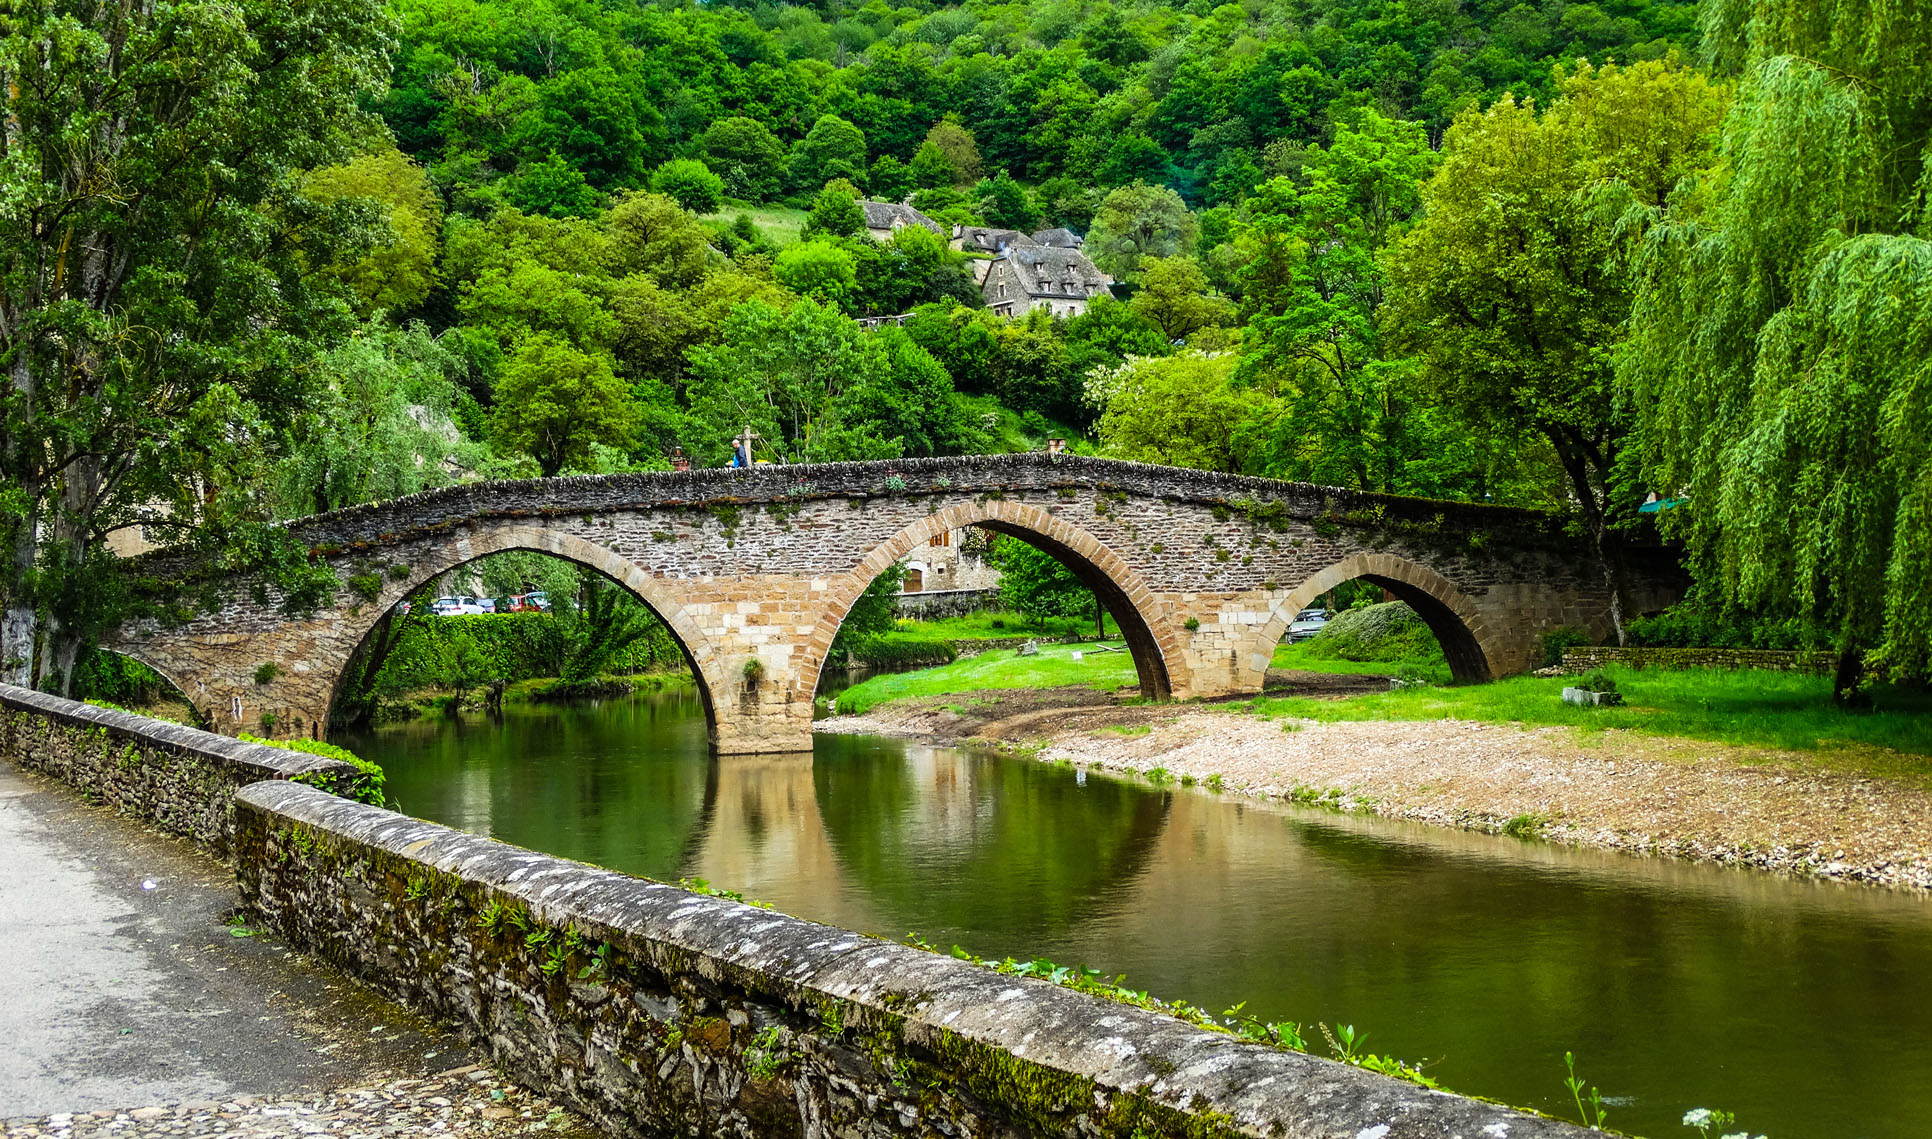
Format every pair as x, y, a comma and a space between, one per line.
741, 447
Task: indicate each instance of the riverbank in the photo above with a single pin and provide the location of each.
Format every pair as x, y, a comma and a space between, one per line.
1790, 811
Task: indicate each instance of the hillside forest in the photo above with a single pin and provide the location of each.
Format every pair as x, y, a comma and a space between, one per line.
263, 260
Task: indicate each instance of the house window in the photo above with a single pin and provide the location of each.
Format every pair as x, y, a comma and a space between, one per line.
943, 538
1002, 288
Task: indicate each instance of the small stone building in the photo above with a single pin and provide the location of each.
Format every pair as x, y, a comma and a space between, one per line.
954, 559
883, 219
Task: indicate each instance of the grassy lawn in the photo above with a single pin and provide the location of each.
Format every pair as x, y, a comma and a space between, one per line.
779, 224
1052, 667
1305, 656
1750, 709
1753, 709
991, 626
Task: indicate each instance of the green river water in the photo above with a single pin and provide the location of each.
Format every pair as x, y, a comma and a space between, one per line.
1806, 1008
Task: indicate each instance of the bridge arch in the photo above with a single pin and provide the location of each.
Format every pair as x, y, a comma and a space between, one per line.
1467, 641
164, 671
1120, 588
700, 652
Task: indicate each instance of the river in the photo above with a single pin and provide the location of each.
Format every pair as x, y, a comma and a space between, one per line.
1804, 1007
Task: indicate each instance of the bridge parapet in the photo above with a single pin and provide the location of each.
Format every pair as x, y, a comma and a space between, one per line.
754, 570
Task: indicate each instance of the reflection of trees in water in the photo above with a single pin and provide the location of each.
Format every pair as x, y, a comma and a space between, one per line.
949, 840
621, 784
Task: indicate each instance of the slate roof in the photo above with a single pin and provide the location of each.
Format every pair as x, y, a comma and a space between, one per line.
983, 239
892, 215
1060, 238
1043, 271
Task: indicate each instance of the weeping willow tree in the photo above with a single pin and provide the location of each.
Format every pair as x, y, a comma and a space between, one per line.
1780, 356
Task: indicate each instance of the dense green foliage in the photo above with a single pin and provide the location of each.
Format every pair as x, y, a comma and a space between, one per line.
1389, 631
465, 652
368, 789
1779, 353
1039, 585
160, 292
1520, 252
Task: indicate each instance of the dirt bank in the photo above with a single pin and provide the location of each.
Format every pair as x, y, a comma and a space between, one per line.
1775, 810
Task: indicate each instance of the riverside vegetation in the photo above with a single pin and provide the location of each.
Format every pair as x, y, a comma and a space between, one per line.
500, 246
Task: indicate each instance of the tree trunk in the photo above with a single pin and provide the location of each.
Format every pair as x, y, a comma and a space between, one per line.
70, 531
1845, 691
1595, 503
17, 620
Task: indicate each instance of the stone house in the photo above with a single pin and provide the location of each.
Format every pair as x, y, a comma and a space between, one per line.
883, 219
1026, 277
1017, 272
953, 559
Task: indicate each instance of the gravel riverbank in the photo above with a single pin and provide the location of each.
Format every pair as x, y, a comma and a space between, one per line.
1779, 811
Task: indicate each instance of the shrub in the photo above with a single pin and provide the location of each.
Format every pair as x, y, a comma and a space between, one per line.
368, 789
1388, 631
1555, 641
1689, 625
1597, 681
691, 184
509, 646
105, 676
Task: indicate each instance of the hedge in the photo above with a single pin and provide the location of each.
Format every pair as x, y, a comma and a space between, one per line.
506, 646
903, 650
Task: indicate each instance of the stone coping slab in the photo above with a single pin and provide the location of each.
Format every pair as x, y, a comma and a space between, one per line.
1009, 1049
252, 760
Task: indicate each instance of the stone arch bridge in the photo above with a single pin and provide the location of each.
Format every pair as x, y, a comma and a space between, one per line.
753, 571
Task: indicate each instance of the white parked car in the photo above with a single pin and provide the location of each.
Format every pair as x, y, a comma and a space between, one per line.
1307, 623
455, 606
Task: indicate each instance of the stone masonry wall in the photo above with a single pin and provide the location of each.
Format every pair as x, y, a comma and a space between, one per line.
181, 779
657, 1011
1581, 660
754, 570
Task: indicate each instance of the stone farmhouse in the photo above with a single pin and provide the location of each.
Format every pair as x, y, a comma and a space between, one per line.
950, 560
883, 219
1018, 272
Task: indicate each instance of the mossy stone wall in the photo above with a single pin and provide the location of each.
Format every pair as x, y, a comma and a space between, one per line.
658, 1011
181, 779
1588, 658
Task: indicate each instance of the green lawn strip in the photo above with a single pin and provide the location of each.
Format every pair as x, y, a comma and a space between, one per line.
1746, 708
981, 627
779, 224
1307, 657
1052, 667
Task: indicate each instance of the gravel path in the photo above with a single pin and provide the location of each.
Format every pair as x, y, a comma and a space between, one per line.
463, 1101
1617, 789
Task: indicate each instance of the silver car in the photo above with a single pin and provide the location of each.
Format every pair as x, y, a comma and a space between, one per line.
1307, 623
